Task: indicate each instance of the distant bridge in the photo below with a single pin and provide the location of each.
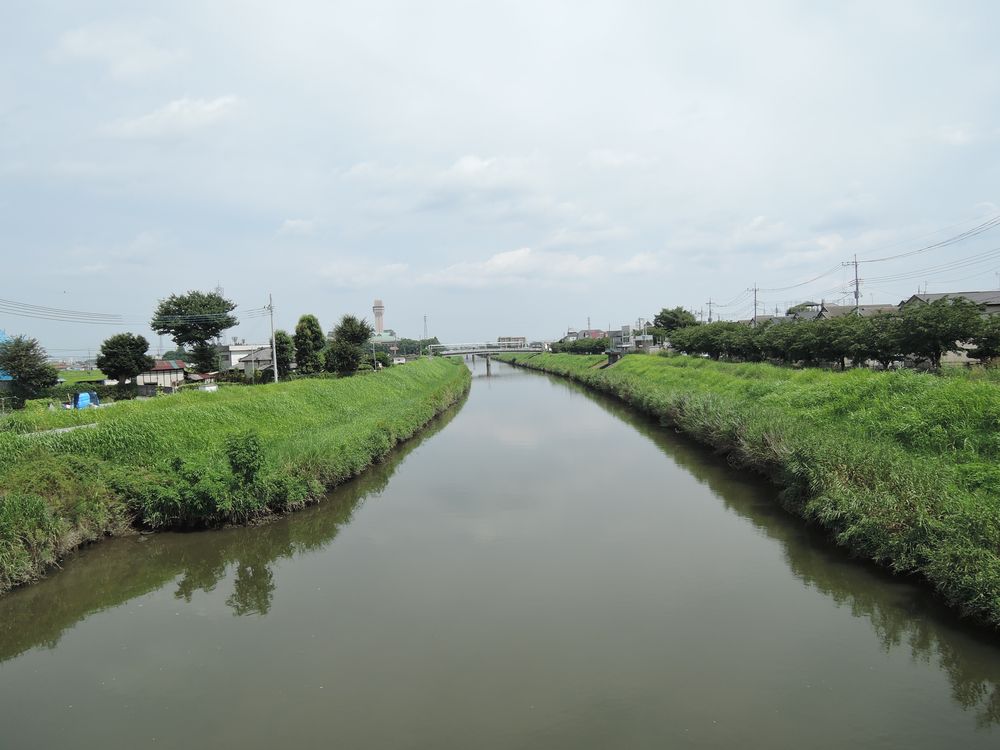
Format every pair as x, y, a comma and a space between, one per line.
485, 350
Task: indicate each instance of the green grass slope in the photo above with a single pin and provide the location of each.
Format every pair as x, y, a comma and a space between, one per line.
902, 467
197, 458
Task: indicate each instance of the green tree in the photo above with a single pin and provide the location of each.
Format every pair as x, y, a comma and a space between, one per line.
284, 352
880, 339
123, 356
342, 358
309, 344
348, 345
932, 329
25, 361
195, 318
987, 340
674, 318
381, 358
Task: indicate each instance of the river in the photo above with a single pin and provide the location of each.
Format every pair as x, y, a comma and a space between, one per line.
541, 569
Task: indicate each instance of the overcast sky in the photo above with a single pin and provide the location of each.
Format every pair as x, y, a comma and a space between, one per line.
504, 168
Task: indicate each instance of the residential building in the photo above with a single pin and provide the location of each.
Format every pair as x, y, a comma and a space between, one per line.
865, 311
990, 301
257, 361
166, 373
515, 342
231, 354
621, 340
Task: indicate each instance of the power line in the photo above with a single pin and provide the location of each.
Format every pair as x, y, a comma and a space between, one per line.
41, 312
968, 234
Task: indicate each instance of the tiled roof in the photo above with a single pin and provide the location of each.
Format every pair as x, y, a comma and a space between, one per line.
980, 298
162, 365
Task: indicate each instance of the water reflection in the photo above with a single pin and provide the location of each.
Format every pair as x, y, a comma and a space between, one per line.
117, 570
902, 613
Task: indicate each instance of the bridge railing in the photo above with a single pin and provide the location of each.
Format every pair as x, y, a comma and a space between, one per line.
475, 348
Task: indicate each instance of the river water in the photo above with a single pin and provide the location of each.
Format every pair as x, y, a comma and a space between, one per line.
542, 569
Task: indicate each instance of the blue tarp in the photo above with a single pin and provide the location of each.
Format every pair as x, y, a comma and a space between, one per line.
85, 399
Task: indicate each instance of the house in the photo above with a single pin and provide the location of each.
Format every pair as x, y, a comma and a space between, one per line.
865, 311
166, 373
990, 301
621, 340
762, 319
591, 333
231, 354
256, 361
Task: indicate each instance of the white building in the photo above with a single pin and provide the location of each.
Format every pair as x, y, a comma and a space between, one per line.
231, 355
166, 373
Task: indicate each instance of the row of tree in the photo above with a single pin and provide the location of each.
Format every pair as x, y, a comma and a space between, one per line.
343, 351
920, 331
194, 321
582, 346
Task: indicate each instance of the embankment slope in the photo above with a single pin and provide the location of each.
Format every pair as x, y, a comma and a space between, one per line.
200, 459
902, 468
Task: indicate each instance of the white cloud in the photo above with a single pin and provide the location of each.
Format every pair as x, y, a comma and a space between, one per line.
142, 250
957, 135
760, 231
126, 49
538, 268
359, 273
178, 118
643, 263
606, 158
303, 227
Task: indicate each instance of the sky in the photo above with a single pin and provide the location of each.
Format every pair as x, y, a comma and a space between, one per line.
505, 169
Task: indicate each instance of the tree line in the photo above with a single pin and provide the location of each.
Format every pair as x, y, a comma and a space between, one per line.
193, 321
922, 332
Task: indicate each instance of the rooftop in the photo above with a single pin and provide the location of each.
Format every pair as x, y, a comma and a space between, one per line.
980, 298
163, 365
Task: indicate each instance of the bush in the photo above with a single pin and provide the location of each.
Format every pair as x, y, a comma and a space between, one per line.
245, 455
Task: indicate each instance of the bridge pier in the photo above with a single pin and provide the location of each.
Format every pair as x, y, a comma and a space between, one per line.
487, 364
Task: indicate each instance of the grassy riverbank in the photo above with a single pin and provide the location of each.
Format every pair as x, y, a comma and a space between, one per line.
903, 468
196, 459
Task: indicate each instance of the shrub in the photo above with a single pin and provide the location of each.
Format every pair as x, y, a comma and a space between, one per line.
245, 455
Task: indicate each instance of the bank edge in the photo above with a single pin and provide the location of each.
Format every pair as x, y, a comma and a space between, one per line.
901, 468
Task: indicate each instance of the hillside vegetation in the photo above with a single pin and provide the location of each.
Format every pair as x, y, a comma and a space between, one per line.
903, 468
196, 459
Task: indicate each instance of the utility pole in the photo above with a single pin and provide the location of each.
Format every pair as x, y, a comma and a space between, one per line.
425, 335
857, 282
754, 289
274, 346
709, 309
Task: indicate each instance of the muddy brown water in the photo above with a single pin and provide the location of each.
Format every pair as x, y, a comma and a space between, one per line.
541, 569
